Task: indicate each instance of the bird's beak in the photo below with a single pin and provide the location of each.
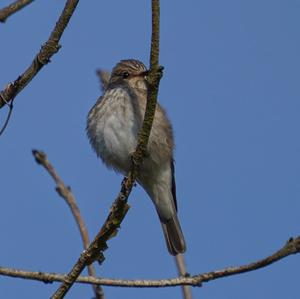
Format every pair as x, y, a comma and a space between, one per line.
145, 73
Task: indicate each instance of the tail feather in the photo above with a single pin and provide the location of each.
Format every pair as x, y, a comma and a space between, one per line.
174, 236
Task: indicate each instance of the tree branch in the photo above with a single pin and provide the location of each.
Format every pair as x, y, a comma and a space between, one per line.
12, 8
181, 267
65, 192
48, 49
291, 247
120, 206
10, 106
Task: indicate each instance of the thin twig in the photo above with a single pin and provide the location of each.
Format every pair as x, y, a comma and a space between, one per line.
48, 49
120, 206
181, 267
12, 8
65, 192
10, 107
291, 247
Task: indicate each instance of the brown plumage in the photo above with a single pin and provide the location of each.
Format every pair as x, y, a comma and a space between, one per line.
113, 126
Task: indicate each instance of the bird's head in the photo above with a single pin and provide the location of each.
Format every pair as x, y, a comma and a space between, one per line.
130, 71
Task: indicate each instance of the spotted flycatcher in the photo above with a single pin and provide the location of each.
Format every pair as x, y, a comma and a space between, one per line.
112, 127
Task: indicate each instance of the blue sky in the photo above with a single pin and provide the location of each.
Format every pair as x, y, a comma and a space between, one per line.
231, 89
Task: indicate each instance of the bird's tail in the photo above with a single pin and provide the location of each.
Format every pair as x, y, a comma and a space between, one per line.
173, 235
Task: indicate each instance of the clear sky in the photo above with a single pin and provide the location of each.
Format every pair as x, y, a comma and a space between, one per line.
231, 89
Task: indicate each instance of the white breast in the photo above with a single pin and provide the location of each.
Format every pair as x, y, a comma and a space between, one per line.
113, 129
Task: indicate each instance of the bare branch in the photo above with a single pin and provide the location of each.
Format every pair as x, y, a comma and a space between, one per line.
65, 192
291, 247
181, 267
12, 8
48, 49
10, 107
120, 206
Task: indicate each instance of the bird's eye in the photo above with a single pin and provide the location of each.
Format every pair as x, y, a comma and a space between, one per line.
125, 75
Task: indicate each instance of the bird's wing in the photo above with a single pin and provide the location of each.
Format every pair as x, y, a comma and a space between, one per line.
173, 183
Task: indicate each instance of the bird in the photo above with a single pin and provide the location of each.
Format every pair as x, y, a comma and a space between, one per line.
113, 124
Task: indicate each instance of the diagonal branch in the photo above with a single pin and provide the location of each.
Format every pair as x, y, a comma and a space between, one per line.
120, 206
65, 192
12, 8
291, 247
48, 49
10, 107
